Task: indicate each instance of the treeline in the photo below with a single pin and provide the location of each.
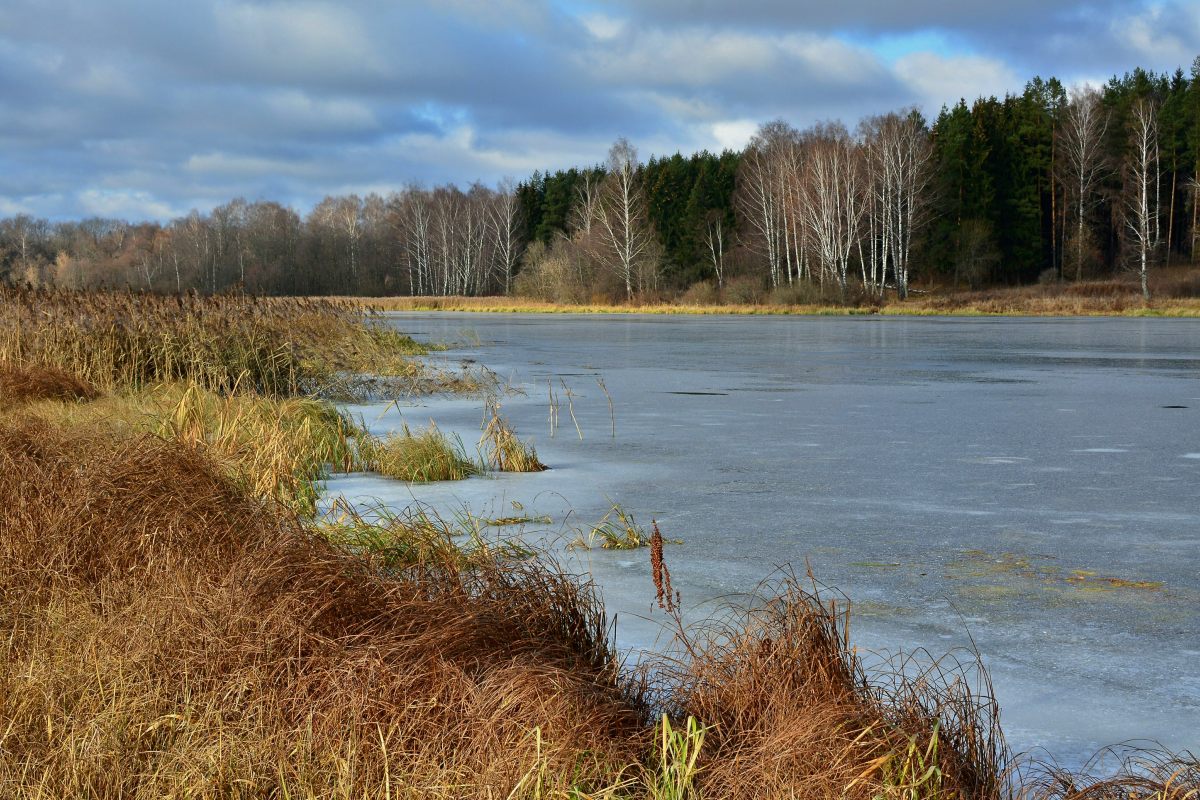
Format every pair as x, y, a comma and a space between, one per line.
1052, 183
418, 241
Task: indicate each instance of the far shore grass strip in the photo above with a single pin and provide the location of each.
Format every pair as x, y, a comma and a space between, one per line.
1033, 307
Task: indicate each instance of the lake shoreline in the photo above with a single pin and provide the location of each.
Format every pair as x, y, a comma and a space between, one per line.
178, 626
1016, 302
1015, 495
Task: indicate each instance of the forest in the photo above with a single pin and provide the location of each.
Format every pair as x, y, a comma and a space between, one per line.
1054, 183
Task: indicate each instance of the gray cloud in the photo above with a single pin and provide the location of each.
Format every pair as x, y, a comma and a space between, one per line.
883, 16
147, 109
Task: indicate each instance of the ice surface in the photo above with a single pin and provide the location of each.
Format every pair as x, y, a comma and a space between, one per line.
924, 467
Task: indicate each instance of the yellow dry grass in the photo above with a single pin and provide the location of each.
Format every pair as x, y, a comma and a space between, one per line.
1174, 294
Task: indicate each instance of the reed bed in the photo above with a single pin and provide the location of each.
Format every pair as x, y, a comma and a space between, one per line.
1175, 292
277, 449
277, 346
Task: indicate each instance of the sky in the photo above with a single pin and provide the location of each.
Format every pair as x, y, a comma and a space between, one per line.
146, 110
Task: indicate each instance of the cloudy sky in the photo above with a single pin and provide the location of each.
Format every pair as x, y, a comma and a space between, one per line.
148, 109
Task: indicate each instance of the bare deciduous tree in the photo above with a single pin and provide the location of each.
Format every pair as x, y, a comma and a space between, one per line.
505, 228
714, 238
833, 198
1141, 180
621, 217
897, 160
1083, 164
769, 197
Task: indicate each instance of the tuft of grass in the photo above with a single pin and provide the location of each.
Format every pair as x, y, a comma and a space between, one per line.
502, 522
679, 752
22, 384
505, 452
791, 712
280, 449
1124, 771
617, 530
428, 455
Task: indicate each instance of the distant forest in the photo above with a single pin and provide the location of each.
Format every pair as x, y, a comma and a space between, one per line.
1054, 183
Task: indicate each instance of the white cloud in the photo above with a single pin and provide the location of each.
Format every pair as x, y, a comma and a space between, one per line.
689, 58
10, 207
1161, 33
241, 166
297, 109
298, 40
734, 134
130, 204
105, 81
938, 80
602, 26
528, 16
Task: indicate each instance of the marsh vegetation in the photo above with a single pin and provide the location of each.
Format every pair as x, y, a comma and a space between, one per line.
182, 620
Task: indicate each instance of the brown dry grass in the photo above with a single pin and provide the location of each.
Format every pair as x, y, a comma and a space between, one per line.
505, 452
169, 635
166, 636
22, 384
794, 714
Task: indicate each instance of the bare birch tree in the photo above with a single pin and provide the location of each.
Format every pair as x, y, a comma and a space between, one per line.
415, 221
768, 197
714, 238
1141, 180
1083, 164
506, 229
833, 199
587, 198
620, 214
897, 153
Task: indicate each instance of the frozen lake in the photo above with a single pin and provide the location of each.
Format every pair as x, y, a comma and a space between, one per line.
1030, 484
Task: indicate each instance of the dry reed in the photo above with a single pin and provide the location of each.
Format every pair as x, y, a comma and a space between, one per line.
279, 346
504, 451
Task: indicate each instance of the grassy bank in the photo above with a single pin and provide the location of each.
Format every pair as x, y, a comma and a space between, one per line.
234, 375
179, 622
1175, 295
169, 634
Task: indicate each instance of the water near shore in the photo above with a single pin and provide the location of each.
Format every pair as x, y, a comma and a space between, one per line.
1030, 485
